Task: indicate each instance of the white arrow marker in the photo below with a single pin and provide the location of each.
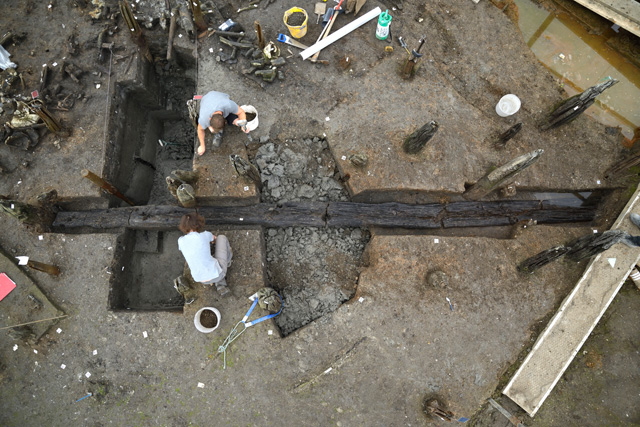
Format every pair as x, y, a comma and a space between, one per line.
612, 262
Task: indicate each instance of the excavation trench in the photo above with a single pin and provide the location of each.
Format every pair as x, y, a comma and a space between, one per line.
314, 235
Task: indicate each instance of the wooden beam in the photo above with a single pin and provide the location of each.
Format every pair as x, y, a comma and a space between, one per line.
333, 214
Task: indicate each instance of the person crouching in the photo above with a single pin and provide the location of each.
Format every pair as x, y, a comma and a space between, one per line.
195, 246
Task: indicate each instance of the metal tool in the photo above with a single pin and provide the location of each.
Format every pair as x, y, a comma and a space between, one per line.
288, 40
320, 9
403, 43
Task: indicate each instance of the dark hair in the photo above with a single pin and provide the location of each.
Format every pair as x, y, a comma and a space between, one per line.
191, 222
217, 122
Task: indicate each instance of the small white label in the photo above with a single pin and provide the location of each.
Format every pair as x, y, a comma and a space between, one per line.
436, 240
344, 157
200, 385
40, 237
15, 347
88, 374
58, 330
54, 64
241, 219
95, 352
327, 371
211, 49
270, 332
598, 182
179, 36
612, 262
246, 188
98, 86
360, 299
327, 119
35, 351
595, 231
144, 334
12, 206
63, 366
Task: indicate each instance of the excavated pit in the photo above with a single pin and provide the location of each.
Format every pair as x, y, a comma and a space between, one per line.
156, 138
314, 269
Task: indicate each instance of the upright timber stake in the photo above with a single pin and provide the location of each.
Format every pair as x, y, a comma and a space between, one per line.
105, 185
134, 29
501, 176
507, 135
408, 69
41, 215
198, 16
259, 35
172, 32
415, 142
571, 108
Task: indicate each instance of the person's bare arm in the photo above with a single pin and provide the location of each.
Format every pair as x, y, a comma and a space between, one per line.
242, 116
201, 148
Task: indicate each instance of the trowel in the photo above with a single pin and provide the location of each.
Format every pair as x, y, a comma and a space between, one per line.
40, 266
320, 9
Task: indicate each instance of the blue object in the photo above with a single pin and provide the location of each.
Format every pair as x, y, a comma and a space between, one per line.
463, 420
82, 398
263, 318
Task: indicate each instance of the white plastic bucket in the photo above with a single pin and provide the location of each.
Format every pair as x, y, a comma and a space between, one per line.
196, 320
508, 105
253, 124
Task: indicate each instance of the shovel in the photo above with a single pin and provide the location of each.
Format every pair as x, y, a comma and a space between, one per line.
320, 9
40, 266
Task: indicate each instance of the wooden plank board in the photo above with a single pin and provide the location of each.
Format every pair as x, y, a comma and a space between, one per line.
625, 13
575, 319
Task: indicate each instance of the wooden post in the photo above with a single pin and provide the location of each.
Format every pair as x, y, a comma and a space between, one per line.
105, 185
258, 28
501, 176
172, 32
415, 142
572, 107
186, 196
198, 16
134, 29
507, 135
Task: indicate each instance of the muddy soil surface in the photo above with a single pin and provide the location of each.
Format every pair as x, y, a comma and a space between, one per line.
315, 270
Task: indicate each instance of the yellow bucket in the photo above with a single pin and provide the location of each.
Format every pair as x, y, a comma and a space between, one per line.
300, 30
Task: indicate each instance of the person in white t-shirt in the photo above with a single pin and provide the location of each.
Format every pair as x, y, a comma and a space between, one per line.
195, 246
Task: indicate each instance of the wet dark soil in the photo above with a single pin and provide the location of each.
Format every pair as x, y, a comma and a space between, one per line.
296, 19
208, 319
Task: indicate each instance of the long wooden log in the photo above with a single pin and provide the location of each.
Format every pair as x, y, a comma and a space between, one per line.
334, 214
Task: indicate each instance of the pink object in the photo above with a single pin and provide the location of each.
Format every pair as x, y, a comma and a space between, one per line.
6, 285
197, 96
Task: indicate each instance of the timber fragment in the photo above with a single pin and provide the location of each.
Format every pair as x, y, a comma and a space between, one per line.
415, 142
572, 107
502, 175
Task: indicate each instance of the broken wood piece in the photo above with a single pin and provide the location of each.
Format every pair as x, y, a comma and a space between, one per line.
51, 122
135, 31
186, 196
239, 45
246, 169
258, 29
415, 142
572, 107
198, 16
172, 33
507, 135
39, 266
41, 215
502, 175
104, 185
44, 74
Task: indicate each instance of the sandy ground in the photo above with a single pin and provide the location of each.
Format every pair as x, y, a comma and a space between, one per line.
374, 359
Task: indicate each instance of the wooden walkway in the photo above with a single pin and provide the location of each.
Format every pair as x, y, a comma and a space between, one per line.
577, 316
625, 13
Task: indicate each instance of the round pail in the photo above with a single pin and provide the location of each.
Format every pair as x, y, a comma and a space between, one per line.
199, 326
250, 109
300, 30
508, 105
